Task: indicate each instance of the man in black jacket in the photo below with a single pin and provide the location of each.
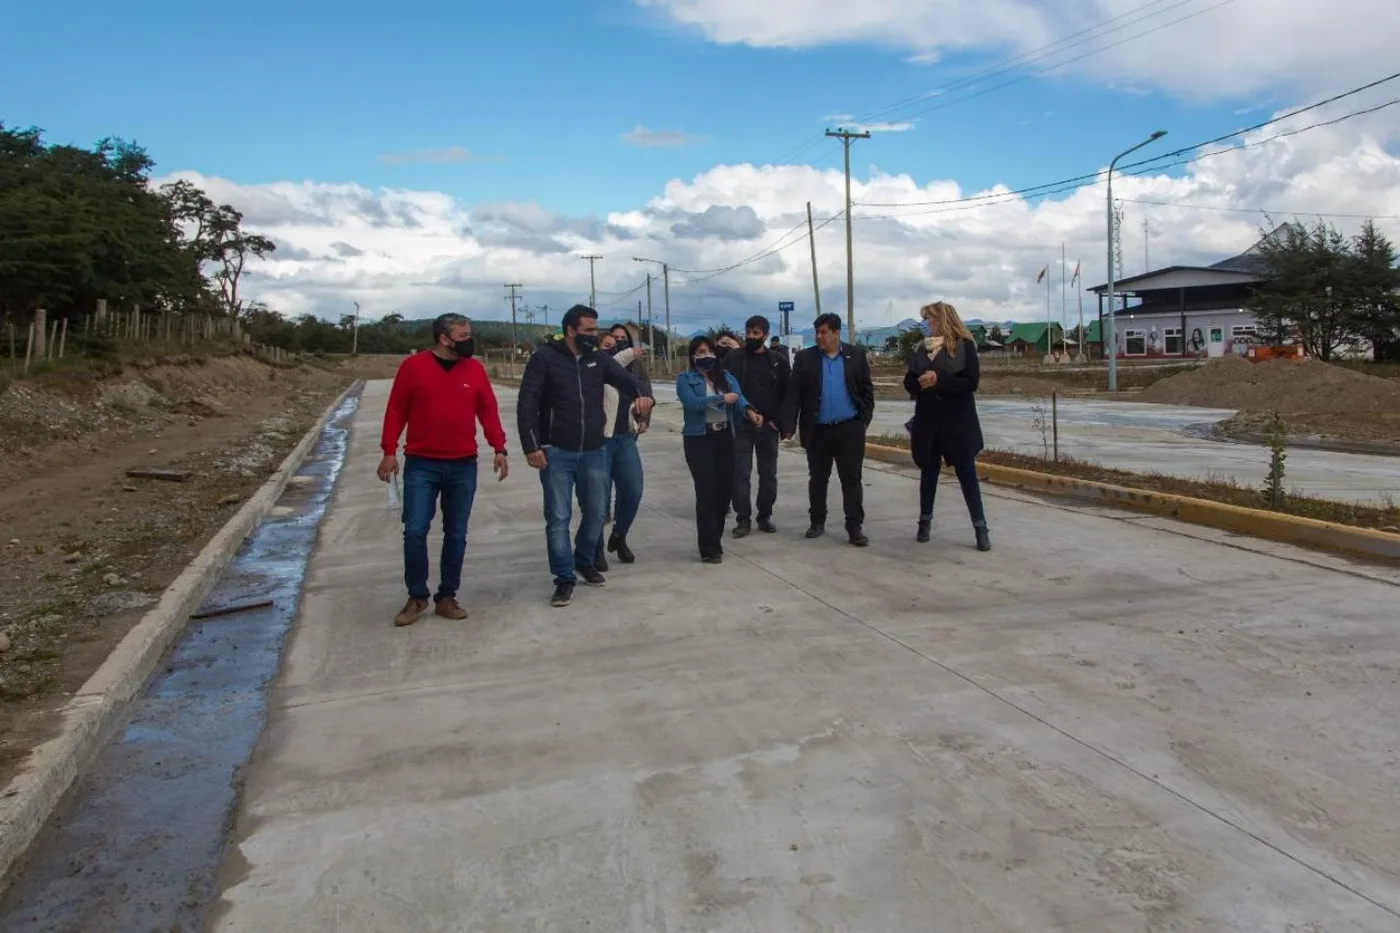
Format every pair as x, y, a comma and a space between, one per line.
829, 402
763, 377
560, 417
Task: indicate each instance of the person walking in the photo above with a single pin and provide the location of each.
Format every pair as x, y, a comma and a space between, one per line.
439, 395
712, 404
942, 378
829, 403
621, 428
762, 375
560, 417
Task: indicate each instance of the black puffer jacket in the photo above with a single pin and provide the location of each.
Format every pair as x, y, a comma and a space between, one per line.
561, 397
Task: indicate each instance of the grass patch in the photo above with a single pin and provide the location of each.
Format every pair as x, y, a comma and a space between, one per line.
1384, 517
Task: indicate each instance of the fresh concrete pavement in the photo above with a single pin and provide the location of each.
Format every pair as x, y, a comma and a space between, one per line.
1109, 723
1166, 439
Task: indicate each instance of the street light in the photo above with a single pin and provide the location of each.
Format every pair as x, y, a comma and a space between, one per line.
666, 285
1110, 336
355, 339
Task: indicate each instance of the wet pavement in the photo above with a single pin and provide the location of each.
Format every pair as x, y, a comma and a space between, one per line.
1167, 439
137, 844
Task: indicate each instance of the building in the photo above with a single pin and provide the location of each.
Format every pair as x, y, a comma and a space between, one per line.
1038, 338
1188, 311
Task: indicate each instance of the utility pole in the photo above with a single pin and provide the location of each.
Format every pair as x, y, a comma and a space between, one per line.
355, 340
666, 280
513, 351
592, 286
1146, 248
812, 239
651, 330
846, 137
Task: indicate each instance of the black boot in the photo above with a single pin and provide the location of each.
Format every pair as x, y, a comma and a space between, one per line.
600, 560
925, 524
618, 545
984, 539
856, 535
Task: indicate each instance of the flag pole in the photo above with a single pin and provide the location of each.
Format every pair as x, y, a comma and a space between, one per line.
1064, 314
1083, 336
1049, 326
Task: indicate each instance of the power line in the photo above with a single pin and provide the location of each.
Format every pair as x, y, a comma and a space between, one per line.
772, 250
1093, 176
1261, 210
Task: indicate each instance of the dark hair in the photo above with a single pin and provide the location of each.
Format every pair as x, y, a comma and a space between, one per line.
776, 339
575, 315
758, 321
443, 324
716, 375
619, 326
828, 320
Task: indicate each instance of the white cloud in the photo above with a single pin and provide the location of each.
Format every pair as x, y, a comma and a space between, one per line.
849, 122
1234, 48
653, 139
420, 253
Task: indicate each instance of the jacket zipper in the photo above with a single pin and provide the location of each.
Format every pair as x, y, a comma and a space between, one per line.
582, 405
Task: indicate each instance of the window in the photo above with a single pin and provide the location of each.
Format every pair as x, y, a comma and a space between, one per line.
1245, 332
1172, 335
1135, 342
1217, 335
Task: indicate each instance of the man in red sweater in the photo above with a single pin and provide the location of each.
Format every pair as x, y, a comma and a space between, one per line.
440, 395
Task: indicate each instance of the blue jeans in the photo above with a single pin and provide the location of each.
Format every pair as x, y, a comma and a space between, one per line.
624, 468
565, 471
424, 481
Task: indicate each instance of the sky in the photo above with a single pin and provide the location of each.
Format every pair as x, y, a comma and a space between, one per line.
416, 158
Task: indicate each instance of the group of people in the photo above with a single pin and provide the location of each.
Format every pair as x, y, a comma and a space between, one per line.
585, 398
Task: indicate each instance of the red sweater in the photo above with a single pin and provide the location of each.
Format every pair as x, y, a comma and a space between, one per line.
441, 408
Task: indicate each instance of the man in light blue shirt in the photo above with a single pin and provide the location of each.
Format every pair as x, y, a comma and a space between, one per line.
829, 402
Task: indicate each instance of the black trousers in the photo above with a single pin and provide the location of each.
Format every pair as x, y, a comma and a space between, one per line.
749, 441
843, 445
710, 457
967, 479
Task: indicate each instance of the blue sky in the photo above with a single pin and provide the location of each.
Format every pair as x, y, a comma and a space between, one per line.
541, 94
322, 120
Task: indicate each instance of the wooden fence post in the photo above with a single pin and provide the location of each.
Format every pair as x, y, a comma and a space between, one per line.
63, 339
41, 323
29, 349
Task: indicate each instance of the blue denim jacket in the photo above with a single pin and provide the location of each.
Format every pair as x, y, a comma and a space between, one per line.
693, 392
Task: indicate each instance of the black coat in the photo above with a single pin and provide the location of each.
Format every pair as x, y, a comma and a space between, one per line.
763, 378
945, 422
561, 397
803, 398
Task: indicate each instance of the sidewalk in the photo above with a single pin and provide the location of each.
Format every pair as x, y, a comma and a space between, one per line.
1101, 726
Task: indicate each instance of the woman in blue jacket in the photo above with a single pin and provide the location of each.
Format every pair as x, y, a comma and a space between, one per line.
712, 403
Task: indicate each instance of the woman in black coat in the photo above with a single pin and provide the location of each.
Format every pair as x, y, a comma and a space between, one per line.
942, 379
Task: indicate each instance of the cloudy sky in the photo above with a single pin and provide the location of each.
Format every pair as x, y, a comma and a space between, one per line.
417, 160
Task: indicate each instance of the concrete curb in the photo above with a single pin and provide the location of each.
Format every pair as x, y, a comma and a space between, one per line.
1257, 523
32, 795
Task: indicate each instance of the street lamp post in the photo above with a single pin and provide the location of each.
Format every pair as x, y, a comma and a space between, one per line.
1110, 336
666, 291
355, 338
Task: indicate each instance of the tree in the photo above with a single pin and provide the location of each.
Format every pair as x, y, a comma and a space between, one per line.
1375, 313
909, 343
996, 336
1311, 288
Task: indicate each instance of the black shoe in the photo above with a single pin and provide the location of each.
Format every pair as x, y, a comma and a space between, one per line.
816, 531
563, 594
600, 561
618, 546
742, 529
766, 526
591, 576
713, 559
857, 536
984, 539
924, 525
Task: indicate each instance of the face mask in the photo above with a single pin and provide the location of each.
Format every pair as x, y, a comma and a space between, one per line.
705, 363
926, 327
754, 344
587, 343
465, 349
622, 344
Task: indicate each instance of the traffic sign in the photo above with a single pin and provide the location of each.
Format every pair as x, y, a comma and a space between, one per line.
786, 306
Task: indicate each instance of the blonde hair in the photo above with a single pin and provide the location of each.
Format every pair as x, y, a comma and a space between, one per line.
946, 322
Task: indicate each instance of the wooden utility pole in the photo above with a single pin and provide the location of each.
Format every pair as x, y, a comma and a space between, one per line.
513, 352
846, 137
812, 239
651, 332
592, 283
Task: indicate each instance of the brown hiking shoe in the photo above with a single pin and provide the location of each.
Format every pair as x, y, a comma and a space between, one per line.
449, 608
410, 612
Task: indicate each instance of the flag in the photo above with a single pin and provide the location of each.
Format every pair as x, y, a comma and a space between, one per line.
1076, 274
1043, 272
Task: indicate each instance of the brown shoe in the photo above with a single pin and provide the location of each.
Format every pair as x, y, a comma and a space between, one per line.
410, 612
449, 608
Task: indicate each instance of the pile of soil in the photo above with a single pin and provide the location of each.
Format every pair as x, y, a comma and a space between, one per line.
1284, 386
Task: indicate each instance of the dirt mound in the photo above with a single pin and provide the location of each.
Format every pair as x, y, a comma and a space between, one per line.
1285, 386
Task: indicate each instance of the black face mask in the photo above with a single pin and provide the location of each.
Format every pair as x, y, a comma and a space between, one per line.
705, 363
465, 349
754, 344
622, 344
586, 343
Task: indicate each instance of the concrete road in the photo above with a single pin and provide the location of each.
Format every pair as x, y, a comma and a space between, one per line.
1108, 724
1160, 439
